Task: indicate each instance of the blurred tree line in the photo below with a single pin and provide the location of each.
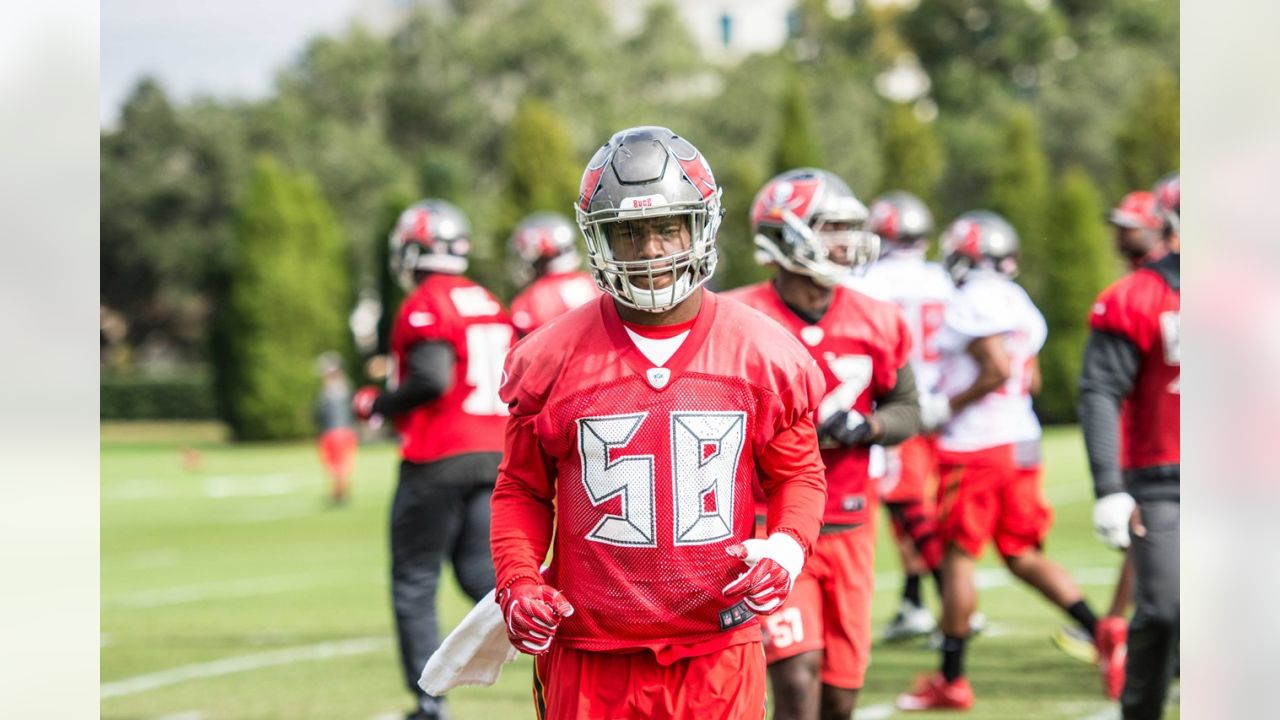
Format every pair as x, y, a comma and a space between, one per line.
237, 234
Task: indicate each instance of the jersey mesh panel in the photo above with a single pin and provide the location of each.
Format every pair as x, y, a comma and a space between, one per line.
658, 590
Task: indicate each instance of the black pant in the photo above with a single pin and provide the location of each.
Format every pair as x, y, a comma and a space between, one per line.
440, 511
1153, 632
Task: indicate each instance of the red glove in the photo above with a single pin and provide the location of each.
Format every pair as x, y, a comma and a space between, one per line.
533, 612
362, 401
773, 566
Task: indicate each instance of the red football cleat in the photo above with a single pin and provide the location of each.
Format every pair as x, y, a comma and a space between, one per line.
1113, 647
933, 692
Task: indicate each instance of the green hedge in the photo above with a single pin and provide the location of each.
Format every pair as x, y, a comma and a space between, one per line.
185, 398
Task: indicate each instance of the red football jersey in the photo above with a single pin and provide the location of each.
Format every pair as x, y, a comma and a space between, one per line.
469, 416
860, 344
650, 471
549, 297
1143, 308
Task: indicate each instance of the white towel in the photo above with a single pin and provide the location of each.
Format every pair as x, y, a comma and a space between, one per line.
474, 652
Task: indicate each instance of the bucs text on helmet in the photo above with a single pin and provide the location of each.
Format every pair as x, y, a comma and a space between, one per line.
642, 173
902, 221
979, 240
430, 236
809, 222
544, 240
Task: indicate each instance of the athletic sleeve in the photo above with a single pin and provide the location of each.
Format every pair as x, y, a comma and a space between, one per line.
1110, 367
523, 509
430, 375
792, 475
898, 410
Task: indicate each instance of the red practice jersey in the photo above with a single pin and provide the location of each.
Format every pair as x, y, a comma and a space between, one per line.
1142, 308
469, 416
860, 344
551, 296
648, 472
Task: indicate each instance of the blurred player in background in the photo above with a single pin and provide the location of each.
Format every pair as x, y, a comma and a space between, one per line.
449, 342
990, 488
1140, 238
1130, 413
812, 228
921, 290
543, 246
336, 425
640, 424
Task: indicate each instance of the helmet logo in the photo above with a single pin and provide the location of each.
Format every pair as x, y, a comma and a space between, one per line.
698, 173
421, 227
970, 239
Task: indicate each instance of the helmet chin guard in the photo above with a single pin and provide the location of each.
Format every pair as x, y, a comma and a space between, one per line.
642, 173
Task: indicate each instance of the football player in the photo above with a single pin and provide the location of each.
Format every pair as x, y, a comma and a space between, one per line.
988, 450
449, 341
543, 246
812, 228
640, 425
921, 290
1130, 413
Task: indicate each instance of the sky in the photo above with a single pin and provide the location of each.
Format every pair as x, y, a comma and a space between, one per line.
226, 48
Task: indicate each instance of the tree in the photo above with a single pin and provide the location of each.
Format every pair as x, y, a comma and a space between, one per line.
796, 145
1148, 140
286, 302
1077, 265
1018, 189
912, 154
741, 178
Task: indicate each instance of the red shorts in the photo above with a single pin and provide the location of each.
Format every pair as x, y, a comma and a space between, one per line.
911, 470
572, 684
829, 609
338, 449
985, 496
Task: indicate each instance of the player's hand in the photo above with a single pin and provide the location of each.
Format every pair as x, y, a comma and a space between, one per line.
533, 612
1111, 516
935, 410
773, 566
846, 428
362, 401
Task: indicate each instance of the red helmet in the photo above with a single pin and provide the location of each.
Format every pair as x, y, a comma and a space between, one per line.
1137, 210
1168, 192
431, 235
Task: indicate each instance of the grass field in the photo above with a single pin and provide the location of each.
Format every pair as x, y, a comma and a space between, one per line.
230, 590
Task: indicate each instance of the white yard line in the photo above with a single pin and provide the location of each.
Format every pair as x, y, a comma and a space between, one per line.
876, 712
241, 663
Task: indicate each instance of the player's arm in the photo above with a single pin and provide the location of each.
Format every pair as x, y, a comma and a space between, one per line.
897, 415
793, 479
1036, 381
1111, 363
791, 476
994, 370
523, 510
1107, 377
430, 375
522, 521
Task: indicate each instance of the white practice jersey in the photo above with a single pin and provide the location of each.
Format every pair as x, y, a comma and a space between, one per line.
921, 290
988, 304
